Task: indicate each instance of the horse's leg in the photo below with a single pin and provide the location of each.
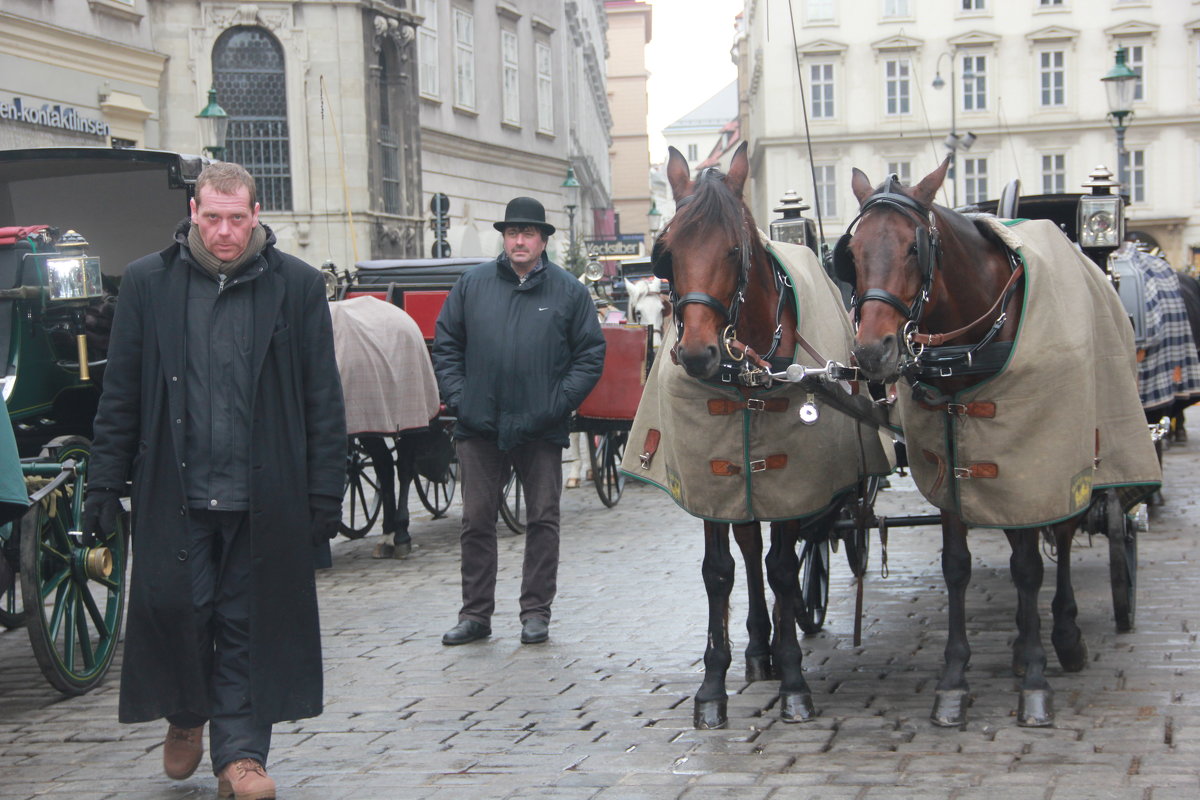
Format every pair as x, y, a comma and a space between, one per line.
952, 694
579, 453
1035, 709
717, 569
758, 618
1066, 636
783, 570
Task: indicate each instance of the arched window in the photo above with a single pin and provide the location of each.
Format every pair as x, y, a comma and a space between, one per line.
249, 77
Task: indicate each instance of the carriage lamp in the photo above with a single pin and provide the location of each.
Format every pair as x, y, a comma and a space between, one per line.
1101, 213
71, 274
793, 227
214, 124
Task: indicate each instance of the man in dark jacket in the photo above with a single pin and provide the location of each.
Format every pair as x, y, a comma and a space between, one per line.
222, 404
518, 347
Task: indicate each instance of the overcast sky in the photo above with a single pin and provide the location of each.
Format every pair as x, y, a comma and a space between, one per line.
688, 60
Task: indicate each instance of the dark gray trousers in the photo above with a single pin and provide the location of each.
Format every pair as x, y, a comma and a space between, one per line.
219, 550
483, 470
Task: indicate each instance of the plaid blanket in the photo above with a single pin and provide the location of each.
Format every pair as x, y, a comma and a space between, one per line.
732, 455
387, 377
1168, 367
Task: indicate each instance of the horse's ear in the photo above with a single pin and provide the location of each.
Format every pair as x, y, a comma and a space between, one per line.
739, 168
655, 285
860, 184
927, 189
678, 174
630, 288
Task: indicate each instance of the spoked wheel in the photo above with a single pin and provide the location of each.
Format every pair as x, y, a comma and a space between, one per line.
512, 504
1122, 561
814, 584
605, 451
361, 503
12, 612
436, 497
74, 592
857, 540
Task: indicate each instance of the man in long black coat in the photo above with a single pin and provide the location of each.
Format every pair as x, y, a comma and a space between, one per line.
222, 404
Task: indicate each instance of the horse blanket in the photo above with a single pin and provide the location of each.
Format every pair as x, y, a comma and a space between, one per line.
1168, 367
1028, 446
387, 376
735, 455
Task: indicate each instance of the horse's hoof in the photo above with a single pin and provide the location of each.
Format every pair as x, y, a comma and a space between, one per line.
1035, 709
796, 707
572, 483
758, 668
950, 708
710, 715
1072, 658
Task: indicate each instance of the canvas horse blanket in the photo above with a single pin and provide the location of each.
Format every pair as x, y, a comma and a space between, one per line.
1028, 446
387, 376
731, 455
1168, 367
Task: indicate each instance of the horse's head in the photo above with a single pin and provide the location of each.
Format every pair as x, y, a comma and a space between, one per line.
890, 259
646, 305
705, 254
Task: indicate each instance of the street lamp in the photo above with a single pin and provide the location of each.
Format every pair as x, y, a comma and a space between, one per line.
214, 123
572, 186
1119, 84
953, 141
654, 217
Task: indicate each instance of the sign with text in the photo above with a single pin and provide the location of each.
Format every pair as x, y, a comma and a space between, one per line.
52, 116
625, 246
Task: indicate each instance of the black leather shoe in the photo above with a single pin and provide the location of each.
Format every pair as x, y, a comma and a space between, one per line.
534, 630
467, 630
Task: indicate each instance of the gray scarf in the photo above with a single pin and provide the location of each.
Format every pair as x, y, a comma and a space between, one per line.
215, 266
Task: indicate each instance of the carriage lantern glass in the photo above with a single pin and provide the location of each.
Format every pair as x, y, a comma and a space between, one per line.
1101, 213
214, 123
793, 227
71, 274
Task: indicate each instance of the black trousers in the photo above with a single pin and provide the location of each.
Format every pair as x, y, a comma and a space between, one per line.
483, 470
388, 472
219, 549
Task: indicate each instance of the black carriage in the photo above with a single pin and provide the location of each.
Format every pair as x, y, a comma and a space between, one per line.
63, 244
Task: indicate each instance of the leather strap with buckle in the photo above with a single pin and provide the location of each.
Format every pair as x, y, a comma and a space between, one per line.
649, 448
720, 406
980, 469
724, 468
980, 409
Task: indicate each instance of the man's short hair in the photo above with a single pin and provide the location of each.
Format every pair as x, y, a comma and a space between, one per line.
226, 177
521, 226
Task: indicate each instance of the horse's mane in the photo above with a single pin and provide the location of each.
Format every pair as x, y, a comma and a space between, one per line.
712, 204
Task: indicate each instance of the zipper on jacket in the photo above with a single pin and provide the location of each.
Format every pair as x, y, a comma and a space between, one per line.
220, 283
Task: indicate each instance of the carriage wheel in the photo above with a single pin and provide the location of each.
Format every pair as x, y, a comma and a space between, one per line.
361, 502
814, 584
1122, 561
857, 542
12, 613
512, 504
436, 497
605, 450
74, 593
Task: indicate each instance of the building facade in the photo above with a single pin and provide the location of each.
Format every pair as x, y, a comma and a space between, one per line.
889, 84
78, 73
630, 28
512, 94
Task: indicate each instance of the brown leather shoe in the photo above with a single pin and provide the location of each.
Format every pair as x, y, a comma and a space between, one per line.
245, 779
182, 751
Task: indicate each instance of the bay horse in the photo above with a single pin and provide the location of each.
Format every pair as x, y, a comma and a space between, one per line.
727, 301
924, 275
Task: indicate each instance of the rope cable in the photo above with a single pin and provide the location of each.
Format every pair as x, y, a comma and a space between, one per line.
807, 135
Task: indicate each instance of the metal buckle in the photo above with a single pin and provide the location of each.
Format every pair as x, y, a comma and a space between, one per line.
945, 372
758, 466
645, 458
754, 404
956, 408
962, 472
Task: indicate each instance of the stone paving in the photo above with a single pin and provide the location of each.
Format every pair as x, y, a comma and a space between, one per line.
603, 710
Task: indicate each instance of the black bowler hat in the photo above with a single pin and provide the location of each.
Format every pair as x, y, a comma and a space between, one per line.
525, 211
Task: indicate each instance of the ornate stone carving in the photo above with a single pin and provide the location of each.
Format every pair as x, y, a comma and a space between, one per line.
272, 17
399, 33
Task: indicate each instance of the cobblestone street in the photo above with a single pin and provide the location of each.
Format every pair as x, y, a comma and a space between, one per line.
604, 709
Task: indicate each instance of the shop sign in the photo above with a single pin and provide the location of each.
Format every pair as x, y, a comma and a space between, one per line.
627, 245
52, 116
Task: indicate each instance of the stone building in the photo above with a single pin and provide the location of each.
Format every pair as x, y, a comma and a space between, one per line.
630, 27
1021, 76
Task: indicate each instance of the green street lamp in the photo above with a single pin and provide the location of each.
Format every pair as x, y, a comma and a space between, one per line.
214, 123
1119, 84
572, 186
654, 217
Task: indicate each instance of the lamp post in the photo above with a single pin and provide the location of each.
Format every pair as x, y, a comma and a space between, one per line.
654, 218
214, 123
572, 186
1119, 84
953, 141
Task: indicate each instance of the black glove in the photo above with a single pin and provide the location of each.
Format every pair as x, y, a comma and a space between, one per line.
326, 514
101, 509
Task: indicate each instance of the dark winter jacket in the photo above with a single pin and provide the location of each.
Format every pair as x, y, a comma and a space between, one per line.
515, 359
297, 449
